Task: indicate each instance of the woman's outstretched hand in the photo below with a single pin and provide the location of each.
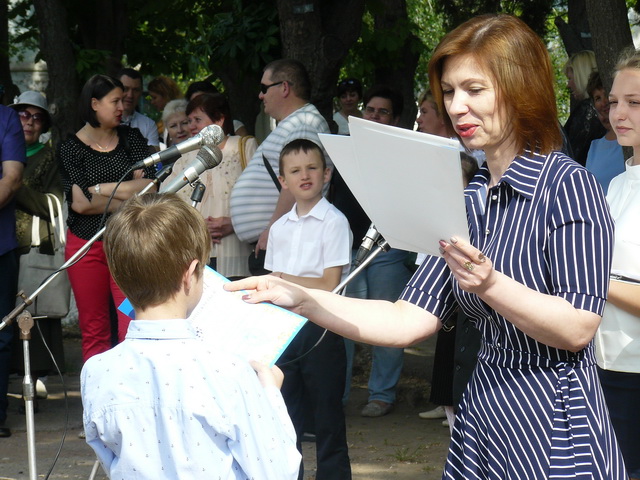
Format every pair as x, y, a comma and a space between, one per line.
269, 288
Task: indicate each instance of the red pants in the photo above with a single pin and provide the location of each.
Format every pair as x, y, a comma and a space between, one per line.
93, 288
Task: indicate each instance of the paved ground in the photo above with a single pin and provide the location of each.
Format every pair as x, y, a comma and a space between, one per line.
397, 446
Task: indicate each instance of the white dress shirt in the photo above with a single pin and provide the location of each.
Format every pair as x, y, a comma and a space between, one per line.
306, 246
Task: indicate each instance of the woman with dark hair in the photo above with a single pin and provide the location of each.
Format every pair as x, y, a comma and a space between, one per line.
91, 162
533, 278
583, 125
349, 94
228, 253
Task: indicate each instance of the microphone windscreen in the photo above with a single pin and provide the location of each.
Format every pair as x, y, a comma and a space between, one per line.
211, 135
210, 156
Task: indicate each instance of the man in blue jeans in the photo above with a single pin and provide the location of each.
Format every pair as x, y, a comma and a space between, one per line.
385, 277
12, 160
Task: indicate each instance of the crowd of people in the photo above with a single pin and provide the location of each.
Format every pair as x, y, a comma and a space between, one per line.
537, 316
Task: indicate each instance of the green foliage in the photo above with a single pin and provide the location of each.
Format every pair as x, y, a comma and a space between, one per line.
89, 62
377, 47
247, 35
533, 12
430, 29
24, 35
558, 60
184, 39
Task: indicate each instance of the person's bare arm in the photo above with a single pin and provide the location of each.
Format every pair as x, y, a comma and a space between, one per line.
82, 205
549, 319
125, 190
376, 322
11, 180
329, 280
625, 296
285, 203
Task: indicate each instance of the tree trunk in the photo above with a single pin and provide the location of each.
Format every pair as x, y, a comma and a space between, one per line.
241, 89
104, 26
611, 34
399, 69
55, 46
10, 89
319, 33
575, 35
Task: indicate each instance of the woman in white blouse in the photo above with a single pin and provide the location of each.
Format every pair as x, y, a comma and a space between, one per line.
228, 254
618, 338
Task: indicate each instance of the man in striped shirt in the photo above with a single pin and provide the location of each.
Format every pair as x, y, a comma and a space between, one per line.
256, 203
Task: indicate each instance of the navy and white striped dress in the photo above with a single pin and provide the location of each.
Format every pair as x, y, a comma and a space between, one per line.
531, 411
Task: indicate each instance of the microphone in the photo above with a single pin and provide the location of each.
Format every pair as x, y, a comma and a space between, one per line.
207, 158
210, 135
369, 240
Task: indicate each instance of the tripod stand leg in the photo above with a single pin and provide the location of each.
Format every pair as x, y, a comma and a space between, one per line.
94, 470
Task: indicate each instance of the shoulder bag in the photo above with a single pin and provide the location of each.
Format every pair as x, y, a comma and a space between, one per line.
35, 267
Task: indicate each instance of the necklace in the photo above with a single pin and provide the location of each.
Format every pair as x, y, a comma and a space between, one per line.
100, 147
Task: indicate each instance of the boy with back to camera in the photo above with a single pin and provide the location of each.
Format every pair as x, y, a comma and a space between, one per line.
162, 404
311, 246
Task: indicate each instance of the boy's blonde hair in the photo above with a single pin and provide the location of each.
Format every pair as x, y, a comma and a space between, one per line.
150, 243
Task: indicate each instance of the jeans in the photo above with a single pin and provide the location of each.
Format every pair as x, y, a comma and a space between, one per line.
383, 279
8, 289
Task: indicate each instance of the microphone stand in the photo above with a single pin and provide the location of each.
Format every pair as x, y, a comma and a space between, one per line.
198, 192
25, 323
381, 246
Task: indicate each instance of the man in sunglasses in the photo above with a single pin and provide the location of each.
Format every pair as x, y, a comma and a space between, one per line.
256, 202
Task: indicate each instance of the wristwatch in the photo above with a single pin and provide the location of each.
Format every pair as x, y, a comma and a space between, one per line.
97, 187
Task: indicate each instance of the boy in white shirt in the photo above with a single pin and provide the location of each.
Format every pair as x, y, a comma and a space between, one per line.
163, 404
311, 246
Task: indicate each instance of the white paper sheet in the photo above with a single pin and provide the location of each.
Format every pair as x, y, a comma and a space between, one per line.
255, 332
409, 183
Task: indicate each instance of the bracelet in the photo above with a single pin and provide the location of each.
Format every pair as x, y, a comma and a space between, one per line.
97, 187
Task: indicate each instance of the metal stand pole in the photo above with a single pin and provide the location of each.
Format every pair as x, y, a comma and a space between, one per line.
29, 300
381, 246
25, 323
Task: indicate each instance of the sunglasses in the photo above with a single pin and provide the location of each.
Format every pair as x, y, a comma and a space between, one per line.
264, 88
344, 83
37, 117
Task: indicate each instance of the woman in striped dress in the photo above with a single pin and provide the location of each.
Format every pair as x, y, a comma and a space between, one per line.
533, 278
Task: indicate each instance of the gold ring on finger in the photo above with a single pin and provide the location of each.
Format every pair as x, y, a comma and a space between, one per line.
469, 266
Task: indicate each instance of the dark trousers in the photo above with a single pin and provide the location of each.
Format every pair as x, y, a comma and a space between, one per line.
316, 381
8, 288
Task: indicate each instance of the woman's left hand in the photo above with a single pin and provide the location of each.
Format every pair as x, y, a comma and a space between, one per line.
473, 271
219, 228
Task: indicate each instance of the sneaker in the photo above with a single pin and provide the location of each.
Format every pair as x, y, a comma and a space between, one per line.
434, 414
376, 408
445, 423
41, 390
